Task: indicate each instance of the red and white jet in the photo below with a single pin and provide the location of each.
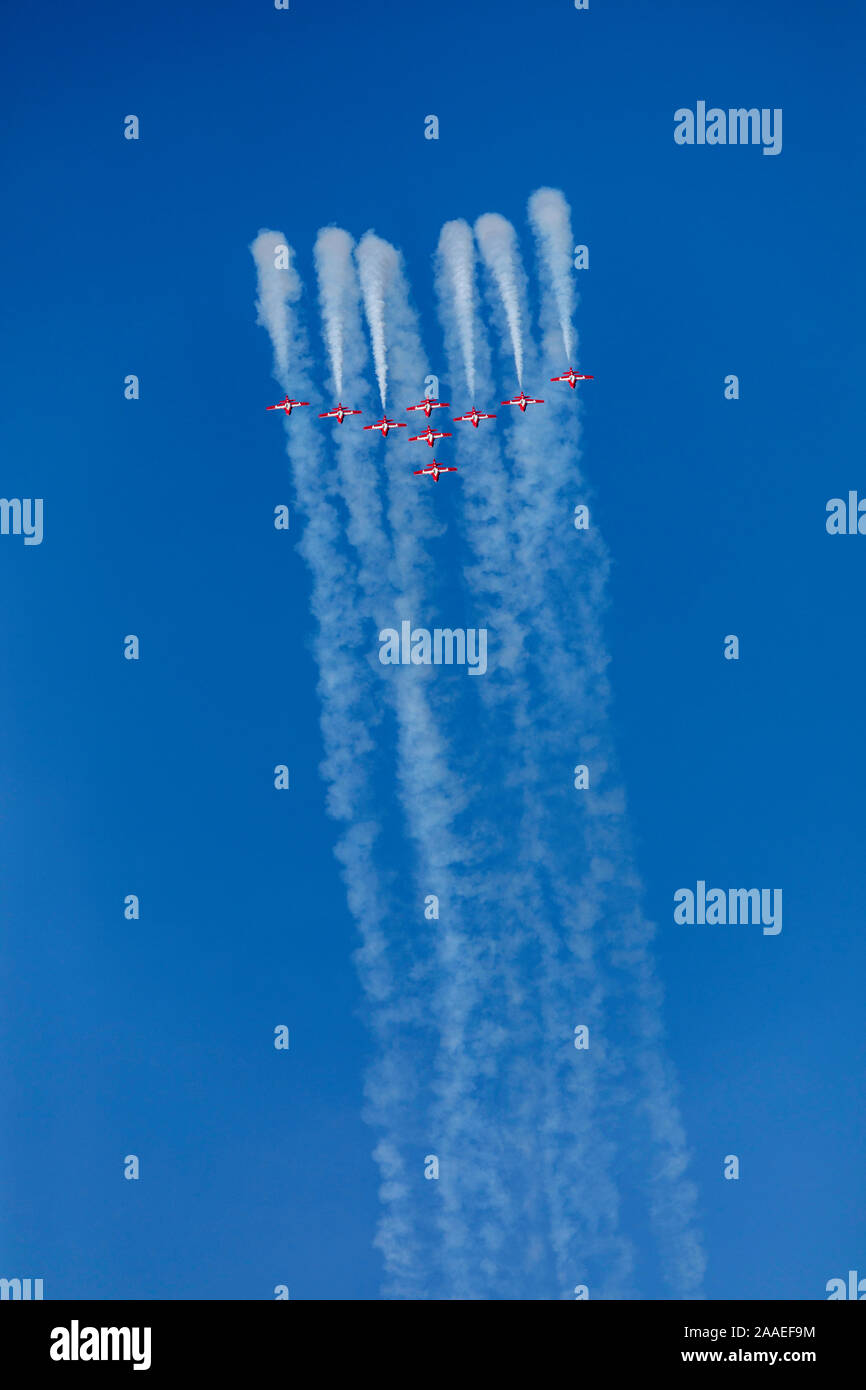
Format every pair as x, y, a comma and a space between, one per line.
434, 469
571, 376
429, 435
523, 401
338, 413
385, 425
429, 403
474, 415
287, 405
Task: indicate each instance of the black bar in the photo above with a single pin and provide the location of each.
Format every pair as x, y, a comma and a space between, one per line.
207, 1339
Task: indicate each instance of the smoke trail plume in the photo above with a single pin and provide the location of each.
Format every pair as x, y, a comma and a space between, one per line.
377, 262
478, 992
456, 263
335, 271
278, 286
557, 1117
549, 218
498, 246
529, 1136
358, 473
349, 716
604, 931
433, 795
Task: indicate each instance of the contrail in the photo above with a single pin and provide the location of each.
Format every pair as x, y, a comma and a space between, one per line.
477, 1215
278, 287
349, 708
478, 964
396, 578
551, 223
357, 452
522, 950
456, 264
333, 256
377, 262
432, 798
411, 509
561, 1103
470, 966
544, 452
498, 246
434, 795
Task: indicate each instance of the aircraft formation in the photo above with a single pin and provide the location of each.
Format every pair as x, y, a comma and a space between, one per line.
428, 405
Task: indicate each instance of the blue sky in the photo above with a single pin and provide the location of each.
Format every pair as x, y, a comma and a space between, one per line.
155, 778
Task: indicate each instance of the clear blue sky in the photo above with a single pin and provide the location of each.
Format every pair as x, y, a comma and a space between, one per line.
154, 1037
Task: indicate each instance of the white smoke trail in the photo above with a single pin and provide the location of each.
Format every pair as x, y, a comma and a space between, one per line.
377, 262
357, 462
550, 221
434, 795
349, 706
476, 1202
396, 579
278, 287
574, 1158
456, 262
477, 955
433, 798
478, 951
333, 257
543, 448
497, 243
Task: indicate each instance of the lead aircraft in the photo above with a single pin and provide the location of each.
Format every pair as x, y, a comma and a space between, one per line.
433, 469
